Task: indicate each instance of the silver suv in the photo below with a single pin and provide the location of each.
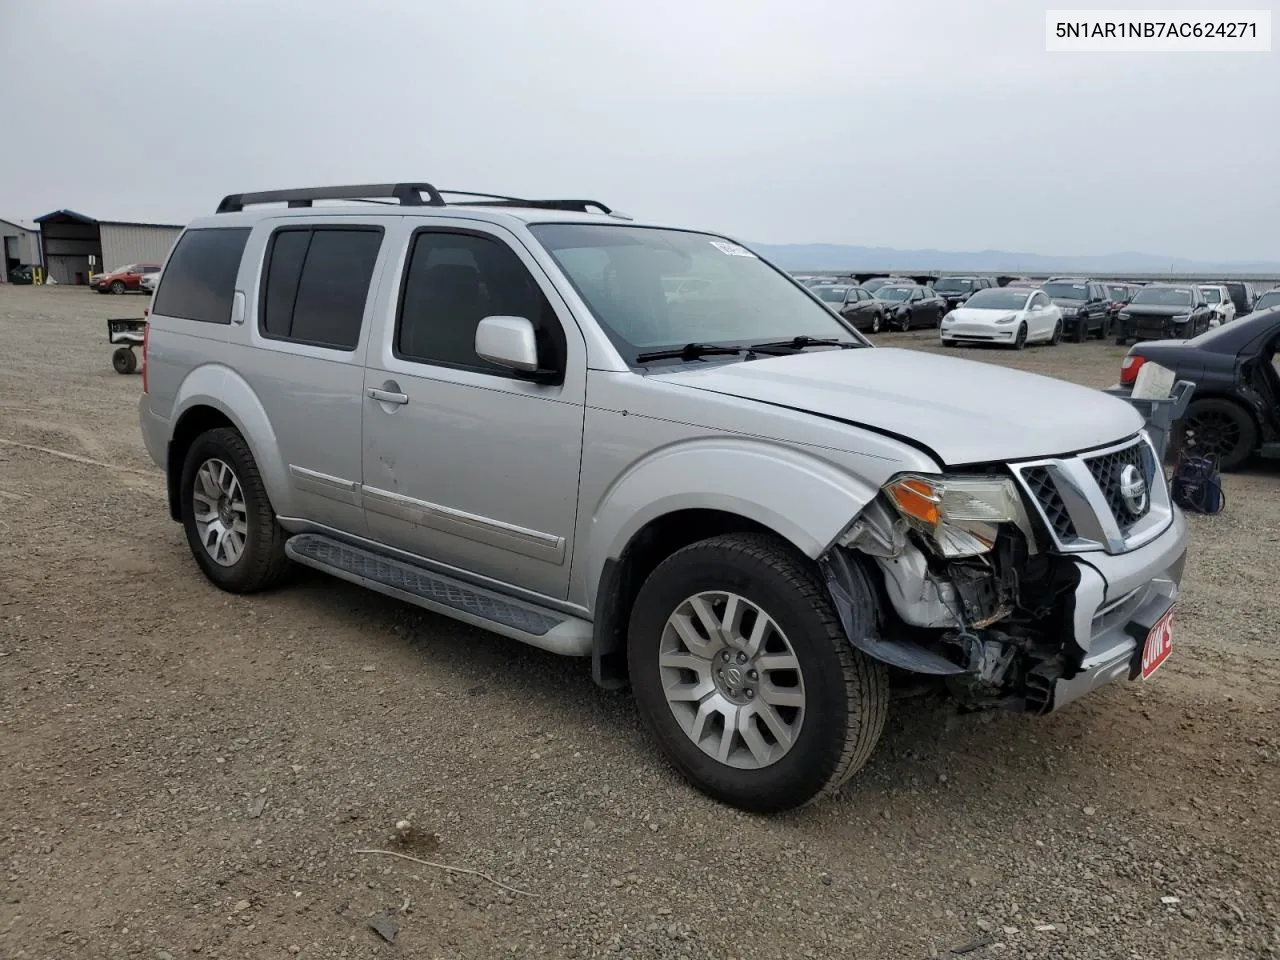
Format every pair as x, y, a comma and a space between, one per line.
649, 447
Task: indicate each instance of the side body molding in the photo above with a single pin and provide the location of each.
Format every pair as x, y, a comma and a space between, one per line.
220, 387
795, 494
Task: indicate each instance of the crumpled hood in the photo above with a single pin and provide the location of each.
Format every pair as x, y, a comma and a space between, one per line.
961, 411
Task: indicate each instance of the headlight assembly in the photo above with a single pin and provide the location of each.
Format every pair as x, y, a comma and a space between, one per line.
959, 514
1009, 319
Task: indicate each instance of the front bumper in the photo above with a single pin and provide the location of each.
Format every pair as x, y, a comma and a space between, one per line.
1117, 600
979, 332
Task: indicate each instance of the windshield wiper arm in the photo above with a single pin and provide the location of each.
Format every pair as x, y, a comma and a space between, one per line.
690, 351
799, 343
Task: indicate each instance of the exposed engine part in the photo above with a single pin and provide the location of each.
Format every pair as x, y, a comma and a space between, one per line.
849, 584
878, 532
987, 658
920, 599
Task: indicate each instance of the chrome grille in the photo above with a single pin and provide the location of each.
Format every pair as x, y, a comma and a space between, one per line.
1040, 486
1081, 503
1107, 468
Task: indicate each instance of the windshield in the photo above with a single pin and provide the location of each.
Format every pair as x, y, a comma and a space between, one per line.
893, 293
874, 285
1212, 294
1163, 297
831, 293
1067, 291
621, 273
994, 299
953, 285
1268, 300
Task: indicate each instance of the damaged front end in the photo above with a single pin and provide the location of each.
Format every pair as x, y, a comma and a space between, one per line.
964, 590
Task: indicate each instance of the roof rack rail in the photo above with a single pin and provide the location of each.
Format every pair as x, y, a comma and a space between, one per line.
498, 200
409, 195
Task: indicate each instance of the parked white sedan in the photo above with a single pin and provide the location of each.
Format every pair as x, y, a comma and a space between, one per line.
1219, 297
1014, 316
148, 282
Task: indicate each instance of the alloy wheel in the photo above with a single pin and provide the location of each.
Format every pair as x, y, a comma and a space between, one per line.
1212, 432
732, 680
220, 514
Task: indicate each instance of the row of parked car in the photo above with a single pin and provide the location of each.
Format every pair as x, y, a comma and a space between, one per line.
979, 310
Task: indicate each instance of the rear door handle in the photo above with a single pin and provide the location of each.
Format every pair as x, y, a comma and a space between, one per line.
386, 396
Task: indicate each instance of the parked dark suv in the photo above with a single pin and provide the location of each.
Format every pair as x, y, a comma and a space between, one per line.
1242, 295
1162, 311
956, 290
1086, 307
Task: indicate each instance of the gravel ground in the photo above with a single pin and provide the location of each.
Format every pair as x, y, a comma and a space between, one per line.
187, 774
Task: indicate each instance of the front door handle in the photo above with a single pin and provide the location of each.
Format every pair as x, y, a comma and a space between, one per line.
387, 396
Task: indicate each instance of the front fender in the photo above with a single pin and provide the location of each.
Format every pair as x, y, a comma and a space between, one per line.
798, 496
221, 388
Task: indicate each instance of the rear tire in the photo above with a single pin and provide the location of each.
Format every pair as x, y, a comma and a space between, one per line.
836, 698
216, 517
1217, 428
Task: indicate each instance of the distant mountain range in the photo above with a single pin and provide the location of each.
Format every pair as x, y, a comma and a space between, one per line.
835, 256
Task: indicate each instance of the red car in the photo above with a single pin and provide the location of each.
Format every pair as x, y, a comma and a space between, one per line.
126, 278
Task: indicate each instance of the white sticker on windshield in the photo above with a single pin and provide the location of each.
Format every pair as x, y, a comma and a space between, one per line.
732, 249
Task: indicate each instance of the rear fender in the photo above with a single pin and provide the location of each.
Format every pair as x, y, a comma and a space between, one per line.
221, 388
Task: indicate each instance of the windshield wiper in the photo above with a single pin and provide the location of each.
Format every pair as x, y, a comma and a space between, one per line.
799, 343
690, 351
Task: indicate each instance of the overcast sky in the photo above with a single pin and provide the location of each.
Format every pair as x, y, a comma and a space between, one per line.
903, 123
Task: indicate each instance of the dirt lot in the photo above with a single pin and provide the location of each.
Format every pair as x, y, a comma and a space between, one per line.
186, 774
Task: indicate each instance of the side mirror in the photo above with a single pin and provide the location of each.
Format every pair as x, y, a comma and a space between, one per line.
508, 342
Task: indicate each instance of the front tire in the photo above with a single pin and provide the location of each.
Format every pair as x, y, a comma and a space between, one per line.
1081, 330
1055, 338
117, 286
876, 322
230, 525
904, 324
742, 672
1020, 338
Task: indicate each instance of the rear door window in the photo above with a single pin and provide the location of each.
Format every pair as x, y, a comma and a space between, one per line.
199, 282
316, 282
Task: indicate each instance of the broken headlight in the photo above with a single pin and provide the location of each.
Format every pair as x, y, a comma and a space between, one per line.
960, 515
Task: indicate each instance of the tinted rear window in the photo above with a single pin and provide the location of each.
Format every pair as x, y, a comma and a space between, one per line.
200, 278
317, 282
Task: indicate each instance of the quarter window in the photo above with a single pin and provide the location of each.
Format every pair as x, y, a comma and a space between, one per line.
199, 281
316, 283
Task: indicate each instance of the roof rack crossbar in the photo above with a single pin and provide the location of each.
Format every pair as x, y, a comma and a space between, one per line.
408, 194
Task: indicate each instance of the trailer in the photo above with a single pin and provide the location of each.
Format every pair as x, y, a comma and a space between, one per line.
129, 332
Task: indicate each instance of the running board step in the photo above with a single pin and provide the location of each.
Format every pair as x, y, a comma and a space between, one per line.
477, 606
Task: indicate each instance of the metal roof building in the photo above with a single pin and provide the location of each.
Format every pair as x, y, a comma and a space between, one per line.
69, 239
19, 247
